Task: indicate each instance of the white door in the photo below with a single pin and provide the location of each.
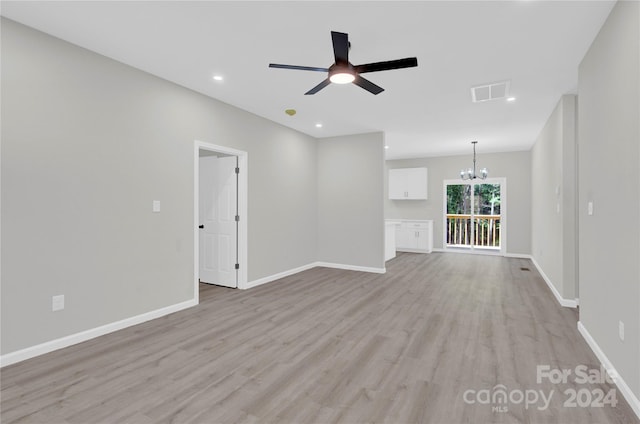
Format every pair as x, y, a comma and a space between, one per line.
227, 225
218, 233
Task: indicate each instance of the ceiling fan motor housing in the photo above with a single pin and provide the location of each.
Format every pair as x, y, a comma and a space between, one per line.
342, 73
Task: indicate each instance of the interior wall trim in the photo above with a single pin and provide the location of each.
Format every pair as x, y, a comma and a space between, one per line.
568, 303
283, 274
622, 385
277, 276
243, 199
83, 336
352, 267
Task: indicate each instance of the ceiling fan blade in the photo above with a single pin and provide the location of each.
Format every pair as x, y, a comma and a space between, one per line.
299, 68
340, 47
408, 62
318, 87
367, 85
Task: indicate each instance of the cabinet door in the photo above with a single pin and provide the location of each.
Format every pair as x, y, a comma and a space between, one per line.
416, 183
405, 238
397, 184
422, 239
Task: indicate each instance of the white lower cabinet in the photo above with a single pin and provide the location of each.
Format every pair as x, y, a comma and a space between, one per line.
414, 236
390, 240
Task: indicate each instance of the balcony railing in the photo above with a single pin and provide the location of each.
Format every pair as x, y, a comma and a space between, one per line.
486, 230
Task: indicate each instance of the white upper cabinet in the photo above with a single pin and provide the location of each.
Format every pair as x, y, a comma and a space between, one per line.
408, 183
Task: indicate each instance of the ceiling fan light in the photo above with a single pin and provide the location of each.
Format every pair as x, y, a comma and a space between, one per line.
343, 77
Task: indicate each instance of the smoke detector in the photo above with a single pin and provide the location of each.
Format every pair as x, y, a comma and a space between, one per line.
493, 91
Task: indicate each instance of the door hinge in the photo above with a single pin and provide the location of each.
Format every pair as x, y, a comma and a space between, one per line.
237, 170
237, 266
237, 218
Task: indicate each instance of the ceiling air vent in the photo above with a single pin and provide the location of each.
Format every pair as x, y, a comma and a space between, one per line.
486, 92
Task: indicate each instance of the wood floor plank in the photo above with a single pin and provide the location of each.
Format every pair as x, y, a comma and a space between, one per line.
327, 346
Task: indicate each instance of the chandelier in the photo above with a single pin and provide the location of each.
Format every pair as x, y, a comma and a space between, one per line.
470, 174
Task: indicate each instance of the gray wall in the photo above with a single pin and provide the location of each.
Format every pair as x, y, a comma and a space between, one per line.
609, 175
350, 200
553, 191
514, 166
87, 144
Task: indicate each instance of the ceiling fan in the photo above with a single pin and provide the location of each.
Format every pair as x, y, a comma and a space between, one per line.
343, 72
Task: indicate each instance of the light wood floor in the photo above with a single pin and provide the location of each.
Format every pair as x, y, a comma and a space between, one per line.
327, 346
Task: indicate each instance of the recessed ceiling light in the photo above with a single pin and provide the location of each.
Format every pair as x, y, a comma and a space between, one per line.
218, 77
318, 125
386, 147
511, 99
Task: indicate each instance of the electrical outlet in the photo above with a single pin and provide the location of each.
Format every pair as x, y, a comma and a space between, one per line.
57, 303
156, 206
590, 208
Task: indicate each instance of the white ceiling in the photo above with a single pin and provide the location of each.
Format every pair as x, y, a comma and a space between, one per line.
425, 111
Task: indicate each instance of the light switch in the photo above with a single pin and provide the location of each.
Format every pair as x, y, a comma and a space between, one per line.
57, 303
590, 208
156, 206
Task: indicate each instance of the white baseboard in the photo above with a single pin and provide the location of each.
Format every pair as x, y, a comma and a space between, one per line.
352, 267
270, 278
408, 250
506, 255
50, 346
568, 303
633, 400
518, 256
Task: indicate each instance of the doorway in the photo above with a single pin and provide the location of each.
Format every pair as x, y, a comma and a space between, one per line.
218, 209
220, 216
474, 216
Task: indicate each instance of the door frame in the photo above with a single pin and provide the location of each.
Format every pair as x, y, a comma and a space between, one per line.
503, 216
243, 192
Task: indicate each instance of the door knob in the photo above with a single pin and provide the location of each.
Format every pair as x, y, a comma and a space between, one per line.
201, 226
